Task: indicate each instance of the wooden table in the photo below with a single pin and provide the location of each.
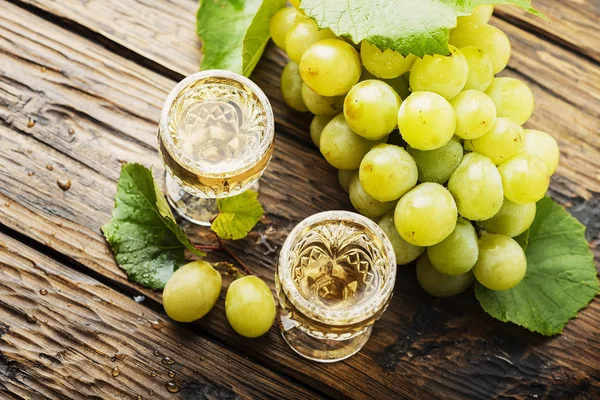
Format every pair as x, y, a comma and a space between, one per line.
81, 87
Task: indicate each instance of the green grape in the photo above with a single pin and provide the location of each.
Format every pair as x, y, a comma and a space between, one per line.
249, 306
291, 87
501, 264
344, 177
405, 252
318, 123
513, 99
426, 215
525, 178
481, 14
440, 285
371, 109
365, 204
341, 147
503, 141
487, 38
477, 187
444, 75
303, 34
281, 23
330, 67
426, 120
512, 219
192, 291
543, 146
387, 172
475, 114
456, 254
322, 105
386, 64
481, 70
439, 164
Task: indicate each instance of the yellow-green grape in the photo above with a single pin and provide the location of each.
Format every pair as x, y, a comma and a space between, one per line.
439, 164
426, 120
365, 204
543, 146
475, 114
371, 109
444, 75
281, 23
295, 3
440, 285
387, 172
426, 215
481, 14
405, 252
513, 99
512, 219
501, 264
341, 147
386, 64
503, 141
525, 178
318, 123
322, 105
481, 70
330, 67
344, 177
456, 254
477, 187
192, 291
486, 38
291, 87
249, 306
303, 34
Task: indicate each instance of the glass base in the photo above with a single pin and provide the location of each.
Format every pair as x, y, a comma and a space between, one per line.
197, 210
320, 350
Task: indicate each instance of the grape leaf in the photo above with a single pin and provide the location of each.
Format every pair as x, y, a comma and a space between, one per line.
237, 215
234, 33
561, 276
144, 237
410, 26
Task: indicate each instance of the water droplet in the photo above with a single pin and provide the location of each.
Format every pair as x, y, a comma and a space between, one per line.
140, 398
156, 325
151, 392
43, 292
172, 387
156, 353
49, 167
30, 123
64, 184
71, 131
167, 360
68, 304
115, 372
30, 173
171, 374
153, 373
31, 319
7, 204
113, 358
43, 69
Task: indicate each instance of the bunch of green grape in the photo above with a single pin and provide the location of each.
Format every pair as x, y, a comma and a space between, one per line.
431, 148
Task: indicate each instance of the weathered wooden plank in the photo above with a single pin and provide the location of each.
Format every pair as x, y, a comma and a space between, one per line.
65, 335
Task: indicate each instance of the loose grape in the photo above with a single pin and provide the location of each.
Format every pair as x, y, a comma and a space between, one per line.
513, 99
426, 215
481, 14
525, 178
503, 141
405, 252
192, 291
344, 177
281, 23
426, 120
386, 64
475, 114
365, 204
303, 34
543, 146
481, 70
291, 87
322, 105
477, 187
318, 123
387, 172
371, 109
512, 219
330, 67
439, 164
440, 285
444, 75
249, 306
486, 38
341, 147
456, 254
501, 264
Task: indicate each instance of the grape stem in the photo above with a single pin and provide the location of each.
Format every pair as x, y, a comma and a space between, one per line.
225, 249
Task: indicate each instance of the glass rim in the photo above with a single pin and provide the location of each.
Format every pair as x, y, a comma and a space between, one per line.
243, 164
357, 314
